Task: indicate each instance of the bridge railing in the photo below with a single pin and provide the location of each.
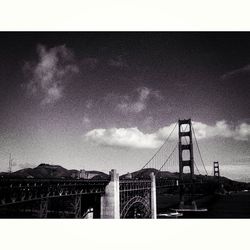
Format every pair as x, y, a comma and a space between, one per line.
135, 192
133, 185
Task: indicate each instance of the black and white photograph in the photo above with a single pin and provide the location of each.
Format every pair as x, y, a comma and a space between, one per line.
125, 125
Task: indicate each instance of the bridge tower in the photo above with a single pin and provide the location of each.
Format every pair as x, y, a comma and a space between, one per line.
186, 158
216, 169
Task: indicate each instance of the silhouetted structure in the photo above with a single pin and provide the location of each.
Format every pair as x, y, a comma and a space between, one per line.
185, 146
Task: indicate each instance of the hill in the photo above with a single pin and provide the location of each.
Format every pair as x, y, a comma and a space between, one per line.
145, 174
228, 184
52, 171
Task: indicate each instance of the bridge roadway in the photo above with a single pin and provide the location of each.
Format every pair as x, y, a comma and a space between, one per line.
14, 191
21, 190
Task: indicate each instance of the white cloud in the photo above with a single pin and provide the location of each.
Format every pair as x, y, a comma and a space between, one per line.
222, 129
242, 132
118, 62
86, 120
236, 72
139, 102
123, 137
47, 76
134, 138
89, 104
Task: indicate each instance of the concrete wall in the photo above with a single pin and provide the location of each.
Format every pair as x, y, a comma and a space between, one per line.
110, 202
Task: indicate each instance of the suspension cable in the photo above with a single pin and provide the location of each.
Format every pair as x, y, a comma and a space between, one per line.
171, 153
199, 151
160, 147
197, 168
168, 158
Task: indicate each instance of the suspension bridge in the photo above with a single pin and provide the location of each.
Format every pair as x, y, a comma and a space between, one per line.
133, 197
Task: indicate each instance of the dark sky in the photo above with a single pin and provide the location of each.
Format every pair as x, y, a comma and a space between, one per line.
108, 100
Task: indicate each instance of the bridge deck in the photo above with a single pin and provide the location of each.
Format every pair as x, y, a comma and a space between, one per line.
21, 190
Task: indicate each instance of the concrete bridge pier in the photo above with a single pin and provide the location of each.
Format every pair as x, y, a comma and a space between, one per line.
110, 201
153, 197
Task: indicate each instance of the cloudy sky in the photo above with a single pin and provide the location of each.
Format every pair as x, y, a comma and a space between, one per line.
109, 100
